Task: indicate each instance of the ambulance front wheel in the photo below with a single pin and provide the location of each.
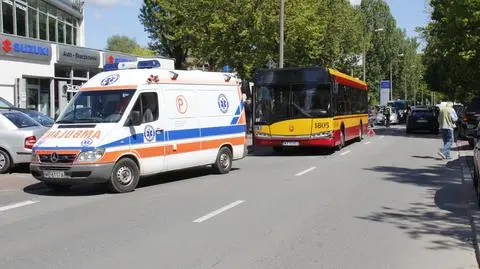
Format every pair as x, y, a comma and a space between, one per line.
125, 176
223, 164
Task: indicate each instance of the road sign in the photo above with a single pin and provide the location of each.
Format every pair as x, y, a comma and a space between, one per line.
385, 88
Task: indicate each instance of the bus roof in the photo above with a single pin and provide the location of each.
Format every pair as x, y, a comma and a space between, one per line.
306, 74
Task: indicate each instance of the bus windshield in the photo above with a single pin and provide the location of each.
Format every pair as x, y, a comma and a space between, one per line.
277, 103
96, 106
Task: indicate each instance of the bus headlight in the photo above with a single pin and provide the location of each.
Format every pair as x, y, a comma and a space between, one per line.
259, 134
328, 134
91, 155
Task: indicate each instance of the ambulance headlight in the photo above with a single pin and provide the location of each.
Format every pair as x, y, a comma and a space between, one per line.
91, 155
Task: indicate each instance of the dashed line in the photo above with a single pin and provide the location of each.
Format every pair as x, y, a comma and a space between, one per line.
218, 211
345, 153
306, 171
17, 205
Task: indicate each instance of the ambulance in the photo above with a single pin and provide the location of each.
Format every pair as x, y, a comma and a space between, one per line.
136, 119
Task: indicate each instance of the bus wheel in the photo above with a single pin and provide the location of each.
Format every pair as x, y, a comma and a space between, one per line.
125, 176
360, 133
342, 140
223, 164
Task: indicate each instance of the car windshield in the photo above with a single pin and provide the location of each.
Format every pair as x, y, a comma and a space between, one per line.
40, 118
5, 103
96, 106
20, 120
276, 103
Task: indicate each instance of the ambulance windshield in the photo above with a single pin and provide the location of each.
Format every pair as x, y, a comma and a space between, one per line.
96, 106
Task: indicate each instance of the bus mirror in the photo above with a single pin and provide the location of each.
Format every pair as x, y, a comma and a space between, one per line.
335, 88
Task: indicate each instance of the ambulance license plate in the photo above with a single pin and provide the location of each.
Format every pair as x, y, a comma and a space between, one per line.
54, 174
291, 143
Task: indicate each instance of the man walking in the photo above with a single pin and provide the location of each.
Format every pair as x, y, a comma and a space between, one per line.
446, 119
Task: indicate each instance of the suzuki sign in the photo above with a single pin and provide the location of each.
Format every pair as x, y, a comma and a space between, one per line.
25, 48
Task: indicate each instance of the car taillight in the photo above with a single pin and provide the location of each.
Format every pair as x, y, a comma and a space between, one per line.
30, 141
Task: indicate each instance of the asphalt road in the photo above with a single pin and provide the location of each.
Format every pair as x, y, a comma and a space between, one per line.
385, 202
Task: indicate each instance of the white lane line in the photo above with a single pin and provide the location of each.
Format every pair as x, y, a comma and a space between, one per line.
12, 206
306, 171
345, 153
366, 143
218, 211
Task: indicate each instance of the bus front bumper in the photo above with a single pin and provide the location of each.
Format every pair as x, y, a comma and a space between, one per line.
292, 142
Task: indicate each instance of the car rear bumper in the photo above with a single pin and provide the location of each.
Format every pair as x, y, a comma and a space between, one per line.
75, 174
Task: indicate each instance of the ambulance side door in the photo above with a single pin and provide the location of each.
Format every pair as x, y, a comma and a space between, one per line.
147, 132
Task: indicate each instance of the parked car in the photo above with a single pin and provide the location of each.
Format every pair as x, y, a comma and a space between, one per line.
18, 134
380, 118
476, 168
459, 131
5, 103
37, 116
401, 108
469, 123
422, 119
371, 117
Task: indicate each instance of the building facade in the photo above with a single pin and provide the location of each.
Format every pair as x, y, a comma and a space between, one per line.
43, 60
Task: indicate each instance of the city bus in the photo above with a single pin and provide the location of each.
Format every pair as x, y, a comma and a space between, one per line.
319, 107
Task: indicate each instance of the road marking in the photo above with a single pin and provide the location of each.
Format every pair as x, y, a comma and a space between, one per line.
381, 137
345, 153
366, 143
12, 206
306, 171
218, 211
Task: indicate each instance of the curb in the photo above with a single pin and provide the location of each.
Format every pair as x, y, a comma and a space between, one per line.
467, 182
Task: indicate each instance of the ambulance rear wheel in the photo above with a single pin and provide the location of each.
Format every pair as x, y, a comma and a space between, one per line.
125, 176
223, 164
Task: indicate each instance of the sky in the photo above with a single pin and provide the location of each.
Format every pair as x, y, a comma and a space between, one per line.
104, 18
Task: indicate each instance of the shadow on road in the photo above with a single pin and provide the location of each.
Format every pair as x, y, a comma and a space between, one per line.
448, 227
21, 169
99, 189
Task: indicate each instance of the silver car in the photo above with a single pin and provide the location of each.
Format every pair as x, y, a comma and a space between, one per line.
18, 134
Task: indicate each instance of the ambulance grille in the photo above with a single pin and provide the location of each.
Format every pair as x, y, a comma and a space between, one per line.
61, 158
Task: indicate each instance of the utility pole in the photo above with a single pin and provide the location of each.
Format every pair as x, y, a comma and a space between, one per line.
282, 7
405, 84
391, 82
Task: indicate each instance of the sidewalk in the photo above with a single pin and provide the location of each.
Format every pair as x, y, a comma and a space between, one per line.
465, 155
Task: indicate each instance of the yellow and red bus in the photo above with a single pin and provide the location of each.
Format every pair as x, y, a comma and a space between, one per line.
320, 107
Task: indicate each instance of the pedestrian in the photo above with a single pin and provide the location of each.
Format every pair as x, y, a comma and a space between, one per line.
388, 113
446, 122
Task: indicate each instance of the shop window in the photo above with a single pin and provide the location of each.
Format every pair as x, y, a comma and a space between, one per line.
52, 29
32, 3
21, 14
61, 32
32, 23
42, 5
43, 26
7, 12
68, 34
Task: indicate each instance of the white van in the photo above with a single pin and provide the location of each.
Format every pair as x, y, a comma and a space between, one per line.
128, 123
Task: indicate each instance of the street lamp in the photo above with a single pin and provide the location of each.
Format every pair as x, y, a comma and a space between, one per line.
282, 7
365, 55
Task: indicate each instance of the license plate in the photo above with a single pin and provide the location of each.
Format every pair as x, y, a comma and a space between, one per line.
471, 126
422, 121
291, 143
54, 174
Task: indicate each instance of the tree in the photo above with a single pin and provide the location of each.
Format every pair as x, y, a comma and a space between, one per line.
128, 45
453, 48
121, 43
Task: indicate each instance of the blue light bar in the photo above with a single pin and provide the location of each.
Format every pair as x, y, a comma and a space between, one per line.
148, 64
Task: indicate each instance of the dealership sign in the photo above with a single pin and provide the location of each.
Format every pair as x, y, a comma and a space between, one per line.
78, 56
25, 48
111, 58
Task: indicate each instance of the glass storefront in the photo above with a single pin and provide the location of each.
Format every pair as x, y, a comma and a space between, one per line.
38, 19
38, 94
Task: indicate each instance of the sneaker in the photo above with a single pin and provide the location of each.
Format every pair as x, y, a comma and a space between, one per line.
442, 155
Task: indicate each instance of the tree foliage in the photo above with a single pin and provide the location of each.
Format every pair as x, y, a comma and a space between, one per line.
453, 51
128, 45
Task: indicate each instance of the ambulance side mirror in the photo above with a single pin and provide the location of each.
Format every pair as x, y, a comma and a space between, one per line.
135, 118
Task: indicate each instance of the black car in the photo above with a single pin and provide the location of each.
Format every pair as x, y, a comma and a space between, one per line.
422, 119
469, 122
459, 131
